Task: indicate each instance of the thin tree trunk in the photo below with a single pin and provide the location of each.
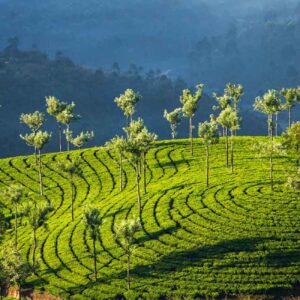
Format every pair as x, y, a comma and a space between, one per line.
297, 160
207, 166
121, 172
276, 124
72, 198
271, 170
289, 110
138, 187
128, 272
232, 137
60, 137
94, 256
36, 156
227, 147
16, 226
145, 172
68, 142
191, 136
34, 250
271, 155
40, 174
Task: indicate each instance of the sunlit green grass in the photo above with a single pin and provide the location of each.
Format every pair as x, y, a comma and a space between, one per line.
235, 237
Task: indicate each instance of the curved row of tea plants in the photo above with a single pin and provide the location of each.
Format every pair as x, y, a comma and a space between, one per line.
235, 237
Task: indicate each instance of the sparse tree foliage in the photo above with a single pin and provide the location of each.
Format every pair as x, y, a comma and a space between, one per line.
81, 139
92, 222
38, 140
127, 103
118, 144
54, 108
290, 96
269, 149
268, 104
229, 119
209, 134
125, 233
66, 117
174, 118
36, 214
34, 121
189, 107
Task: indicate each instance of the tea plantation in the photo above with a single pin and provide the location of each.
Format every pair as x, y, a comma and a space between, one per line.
236, 237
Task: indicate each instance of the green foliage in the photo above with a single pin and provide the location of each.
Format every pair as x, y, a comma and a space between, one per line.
67, 115
17, 270
190, 101
37, 140
37, 214
174, 118
125, 233
12, 194
81, 139
92, 221
290, 96
34, 121
269, 103
234, 93
55, 106
128, 101
70, 167
228, 118
208, 132
236, 237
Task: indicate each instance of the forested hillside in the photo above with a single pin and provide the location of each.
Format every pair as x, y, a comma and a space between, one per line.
27, 77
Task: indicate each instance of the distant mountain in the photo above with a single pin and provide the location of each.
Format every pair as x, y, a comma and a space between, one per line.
26, 77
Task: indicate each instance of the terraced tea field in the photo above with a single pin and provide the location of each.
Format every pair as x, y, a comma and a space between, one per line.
235, 237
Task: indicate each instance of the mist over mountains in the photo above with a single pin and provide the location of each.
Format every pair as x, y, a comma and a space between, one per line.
253, 42
149, 44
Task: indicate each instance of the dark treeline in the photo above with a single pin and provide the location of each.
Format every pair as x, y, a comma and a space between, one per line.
26, 77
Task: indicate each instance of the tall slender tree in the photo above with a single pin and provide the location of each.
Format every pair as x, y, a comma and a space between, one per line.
209, 134
127, 103
34, 121
125, 234
92, 222
268, 104
291, 142
38, 140
54, 108
223, 102
13, 194
66, 117
174, 118
71, 168
189, 107
36, 214
118, 144
269, 149
230, 120
290, 96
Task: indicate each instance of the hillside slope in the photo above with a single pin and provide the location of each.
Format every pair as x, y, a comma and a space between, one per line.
235, 237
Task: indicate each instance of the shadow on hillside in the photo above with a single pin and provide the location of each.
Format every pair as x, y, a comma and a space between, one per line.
215, 257
156, 235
